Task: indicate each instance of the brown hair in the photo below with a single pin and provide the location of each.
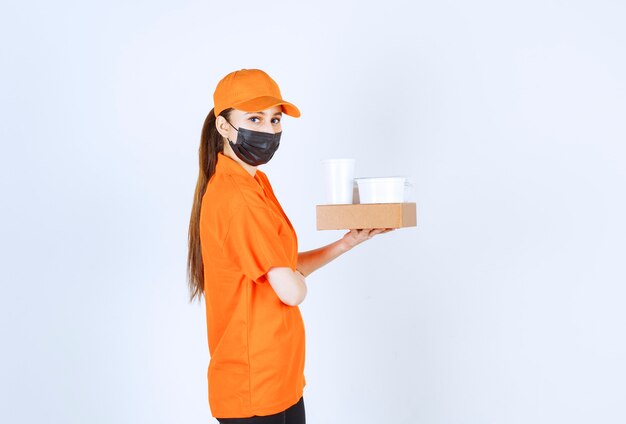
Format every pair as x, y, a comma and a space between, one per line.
211, 143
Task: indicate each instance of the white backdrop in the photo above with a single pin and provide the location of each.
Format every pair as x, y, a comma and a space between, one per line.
504, 305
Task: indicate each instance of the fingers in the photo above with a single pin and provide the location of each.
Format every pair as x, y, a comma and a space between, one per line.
371, 232
382, 230
368, 233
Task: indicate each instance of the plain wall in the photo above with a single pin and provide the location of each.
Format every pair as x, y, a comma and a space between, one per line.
504, 305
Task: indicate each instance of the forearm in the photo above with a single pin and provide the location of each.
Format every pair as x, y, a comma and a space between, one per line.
312, 260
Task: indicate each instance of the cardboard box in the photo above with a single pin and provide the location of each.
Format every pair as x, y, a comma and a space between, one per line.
372, 215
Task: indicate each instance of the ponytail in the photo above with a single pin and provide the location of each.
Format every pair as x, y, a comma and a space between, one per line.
211, 143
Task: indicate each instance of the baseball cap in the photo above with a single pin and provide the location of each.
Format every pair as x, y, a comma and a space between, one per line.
250, 90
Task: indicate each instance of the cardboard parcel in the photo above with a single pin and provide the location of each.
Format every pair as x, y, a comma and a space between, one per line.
367, 215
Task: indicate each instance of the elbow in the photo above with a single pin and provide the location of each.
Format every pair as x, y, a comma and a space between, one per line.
290, 286
297, 297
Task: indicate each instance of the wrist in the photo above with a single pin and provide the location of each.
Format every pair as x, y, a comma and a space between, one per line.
344, 246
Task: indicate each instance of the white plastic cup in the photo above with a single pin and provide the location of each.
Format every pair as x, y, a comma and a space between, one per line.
339, 180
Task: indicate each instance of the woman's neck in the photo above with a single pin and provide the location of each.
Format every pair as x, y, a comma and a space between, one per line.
229, 152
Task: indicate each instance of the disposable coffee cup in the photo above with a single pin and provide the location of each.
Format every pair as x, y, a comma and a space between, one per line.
338, 180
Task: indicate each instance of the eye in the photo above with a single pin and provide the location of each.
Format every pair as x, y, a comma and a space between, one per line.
276, 120
252, 118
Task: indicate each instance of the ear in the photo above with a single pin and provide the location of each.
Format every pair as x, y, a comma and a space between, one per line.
222, 126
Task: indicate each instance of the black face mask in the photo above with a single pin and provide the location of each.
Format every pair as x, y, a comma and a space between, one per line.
255, 147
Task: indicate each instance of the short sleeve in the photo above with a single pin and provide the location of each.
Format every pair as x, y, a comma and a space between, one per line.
254, 243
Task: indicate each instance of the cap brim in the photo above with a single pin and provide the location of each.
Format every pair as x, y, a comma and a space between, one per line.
260, 103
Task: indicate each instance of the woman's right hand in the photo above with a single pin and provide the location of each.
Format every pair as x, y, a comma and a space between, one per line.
358, 236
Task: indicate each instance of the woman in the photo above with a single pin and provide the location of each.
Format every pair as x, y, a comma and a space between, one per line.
244, 259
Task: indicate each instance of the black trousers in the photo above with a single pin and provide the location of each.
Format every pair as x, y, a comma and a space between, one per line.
292, 415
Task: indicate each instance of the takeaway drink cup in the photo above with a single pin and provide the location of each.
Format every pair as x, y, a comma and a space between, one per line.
339, 180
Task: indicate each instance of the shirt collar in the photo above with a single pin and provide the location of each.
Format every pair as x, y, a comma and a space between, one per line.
228, 165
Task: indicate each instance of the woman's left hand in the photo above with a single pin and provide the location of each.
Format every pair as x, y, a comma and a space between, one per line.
355, 237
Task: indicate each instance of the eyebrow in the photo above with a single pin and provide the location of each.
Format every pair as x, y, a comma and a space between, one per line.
263, 113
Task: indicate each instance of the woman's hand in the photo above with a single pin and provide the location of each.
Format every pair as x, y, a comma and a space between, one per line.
355, 237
